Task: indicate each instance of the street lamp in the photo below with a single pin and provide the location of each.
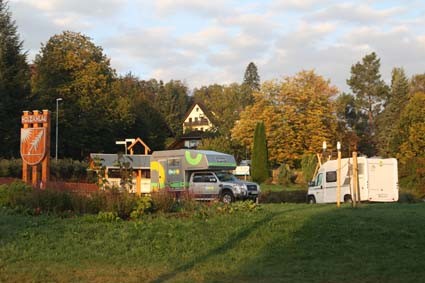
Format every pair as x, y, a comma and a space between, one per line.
57, 128
125, 145
338, 176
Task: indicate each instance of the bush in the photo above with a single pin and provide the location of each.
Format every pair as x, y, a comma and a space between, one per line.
108, 216
143, 206
15, 194
11, 168
285, 175
308, 166
298, 196
110, 205
68, 170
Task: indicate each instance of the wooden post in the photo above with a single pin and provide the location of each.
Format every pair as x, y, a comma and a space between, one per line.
139, 182
35, 176
45, 166
24, 164
355, 179
338, 180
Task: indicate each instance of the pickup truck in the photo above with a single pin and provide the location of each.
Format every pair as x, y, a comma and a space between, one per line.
207, 185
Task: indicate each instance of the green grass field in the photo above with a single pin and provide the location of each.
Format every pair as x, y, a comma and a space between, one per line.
278, 243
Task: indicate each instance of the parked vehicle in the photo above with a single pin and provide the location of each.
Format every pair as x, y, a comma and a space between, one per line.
377, 181
205, 174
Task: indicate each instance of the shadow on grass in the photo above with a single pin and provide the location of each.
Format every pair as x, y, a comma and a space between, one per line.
232, 241
375, 243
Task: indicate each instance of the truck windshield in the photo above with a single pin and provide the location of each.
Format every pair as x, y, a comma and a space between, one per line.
224, 177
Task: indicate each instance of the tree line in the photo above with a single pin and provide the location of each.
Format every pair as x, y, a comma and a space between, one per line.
299, 112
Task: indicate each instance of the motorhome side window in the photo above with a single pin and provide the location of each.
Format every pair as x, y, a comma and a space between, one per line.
319, 179
330, 176
174, 162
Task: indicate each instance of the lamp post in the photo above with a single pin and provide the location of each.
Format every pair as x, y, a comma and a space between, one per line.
323, 151
338, 176
125, 145
57, 127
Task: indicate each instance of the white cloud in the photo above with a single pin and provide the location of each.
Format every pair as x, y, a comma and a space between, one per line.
201, 8
358, 13
205, 42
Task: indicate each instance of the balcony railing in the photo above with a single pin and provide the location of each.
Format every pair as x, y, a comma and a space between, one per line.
203, 122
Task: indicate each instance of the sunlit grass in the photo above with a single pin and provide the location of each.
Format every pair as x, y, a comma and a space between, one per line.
279, 243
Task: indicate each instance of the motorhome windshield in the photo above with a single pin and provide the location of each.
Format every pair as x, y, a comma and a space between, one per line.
225, 177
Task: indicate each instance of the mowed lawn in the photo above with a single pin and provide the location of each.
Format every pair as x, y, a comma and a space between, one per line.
279, 243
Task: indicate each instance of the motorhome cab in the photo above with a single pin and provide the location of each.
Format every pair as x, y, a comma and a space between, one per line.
377, 179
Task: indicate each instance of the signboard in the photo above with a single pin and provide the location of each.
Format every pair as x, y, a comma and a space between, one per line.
33, 145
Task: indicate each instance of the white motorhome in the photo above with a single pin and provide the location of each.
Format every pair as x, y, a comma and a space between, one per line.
377, 181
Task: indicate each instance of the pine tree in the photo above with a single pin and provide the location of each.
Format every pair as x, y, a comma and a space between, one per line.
370, 91
251, 77
387, 120
14, 83
260, 169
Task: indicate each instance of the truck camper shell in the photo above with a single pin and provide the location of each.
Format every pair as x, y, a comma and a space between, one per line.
171, 168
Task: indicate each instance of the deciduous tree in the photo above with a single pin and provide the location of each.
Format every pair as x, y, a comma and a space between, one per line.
298, 114
72, 67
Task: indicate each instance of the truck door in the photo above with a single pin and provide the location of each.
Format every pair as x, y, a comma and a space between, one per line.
205, 185
330, 186
317, 189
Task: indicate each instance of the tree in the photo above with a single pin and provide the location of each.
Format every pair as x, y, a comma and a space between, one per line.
388, 119
172, 103
260, 168
411, 135
417, 84
225, 103
14, 83
251, 78
72, 67
298, 114
370, 91
148, 123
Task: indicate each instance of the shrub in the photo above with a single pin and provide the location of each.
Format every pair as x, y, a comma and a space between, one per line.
308, 166
11, 168
69, 170
143, 206
15, 194
285, 175
239, 206
108, 216
297, 196
164, 201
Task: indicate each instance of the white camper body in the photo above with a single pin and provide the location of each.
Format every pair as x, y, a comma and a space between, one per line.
378, 181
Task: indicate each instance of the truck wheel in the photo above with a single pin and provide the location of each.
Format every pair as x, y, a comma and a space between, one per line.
311, 200
227, 197
347, 199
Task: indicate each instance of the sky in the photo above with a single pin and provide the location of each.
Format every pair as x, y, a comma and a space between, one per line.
202, 42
